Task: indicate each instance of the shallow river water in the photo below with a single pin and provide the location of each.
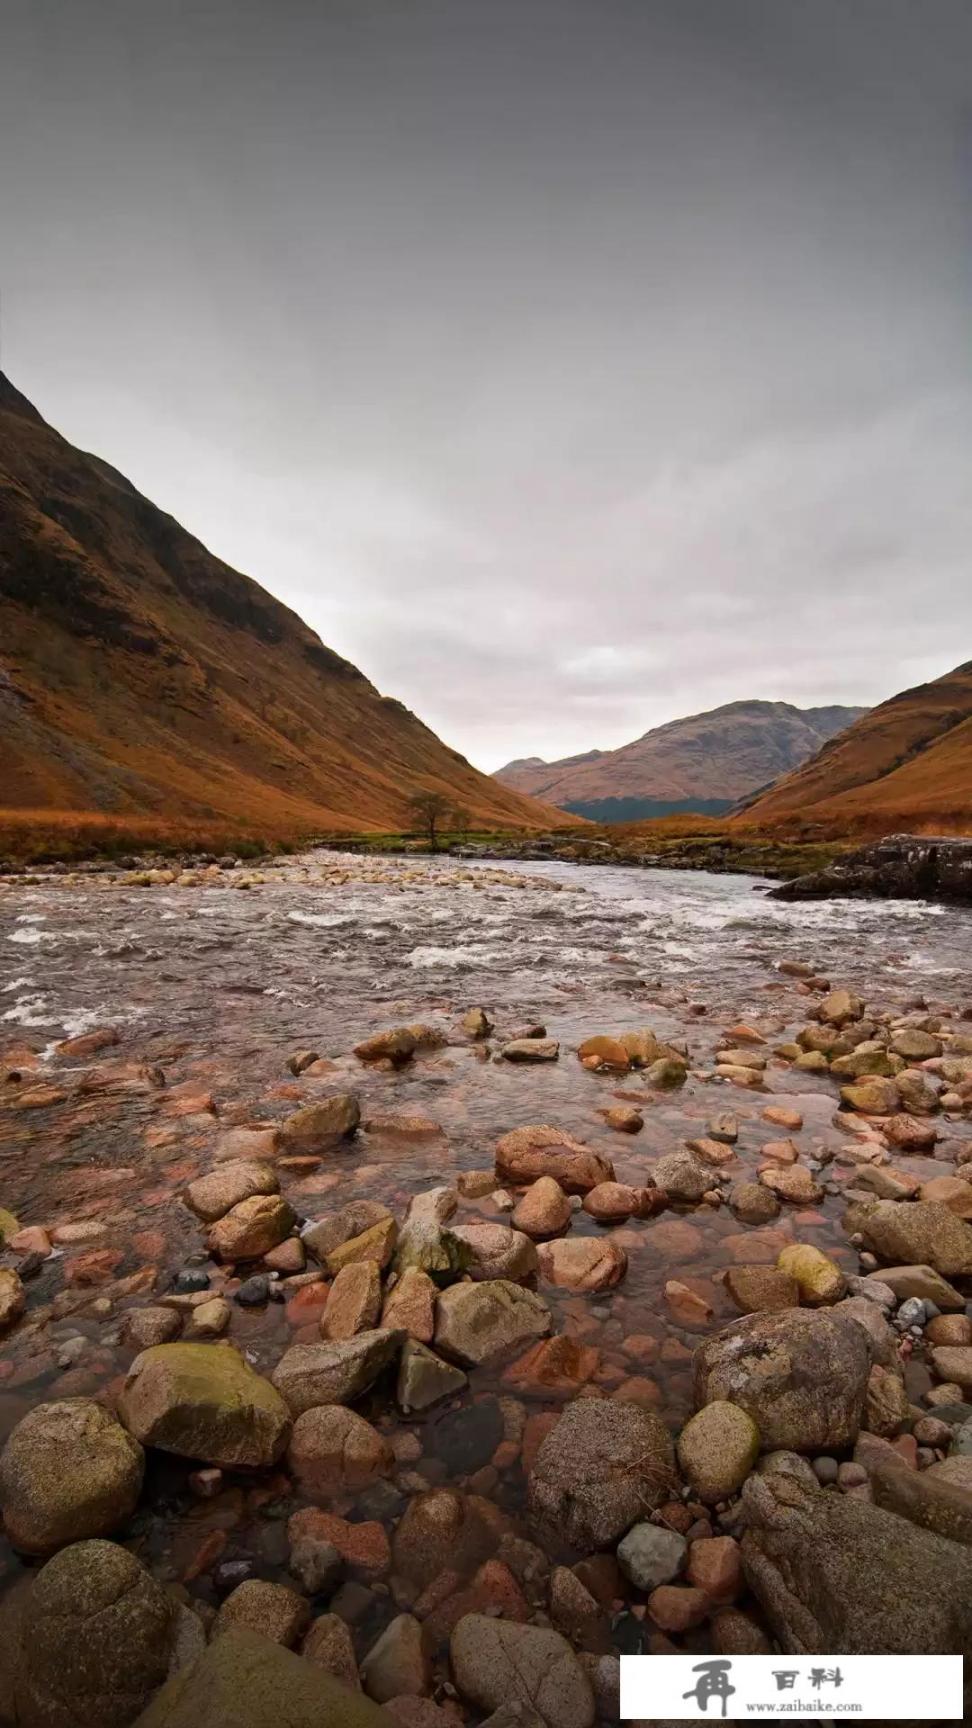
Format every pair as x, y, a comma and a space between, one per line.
212, 986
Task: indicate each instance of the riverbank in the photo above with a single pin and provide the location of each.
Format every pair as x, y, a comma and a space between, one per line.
302, 1119
681, 843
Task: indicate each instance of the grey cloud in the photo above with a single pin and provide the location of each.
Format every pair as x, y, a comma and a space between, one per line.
569, 364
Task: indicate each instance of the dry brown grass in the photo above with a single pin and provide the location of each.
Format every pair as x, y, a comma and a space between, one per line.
42, 836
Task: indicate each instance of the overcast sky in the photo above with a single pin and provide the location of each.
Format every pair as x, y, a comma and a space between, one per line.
570, 365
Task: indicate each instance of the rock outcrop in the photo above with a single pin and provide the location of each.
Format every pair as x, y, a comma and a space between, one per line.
837, 1573
900, 867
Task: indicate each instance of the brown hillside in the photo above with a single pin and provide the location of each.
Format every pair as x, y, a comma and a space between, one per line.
906, 764
705, 761
142, 677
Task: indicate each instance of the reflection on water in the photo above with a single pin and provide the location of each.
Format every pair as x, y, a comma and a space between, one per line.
212, 987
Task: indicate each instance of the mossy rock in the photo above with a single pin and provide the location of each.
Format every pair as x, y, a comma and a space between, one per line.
204, 1401
244, 1681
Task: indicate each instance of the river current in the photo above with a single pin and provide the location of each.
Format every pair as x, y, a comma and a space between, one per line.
212, 984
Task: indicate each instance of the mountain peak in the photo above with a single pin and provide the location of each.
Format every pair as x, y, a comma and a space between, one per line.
704, 762
145, 677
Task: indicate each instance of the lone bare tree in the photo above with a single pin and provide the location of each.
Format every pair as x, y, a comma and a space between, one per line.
428, 811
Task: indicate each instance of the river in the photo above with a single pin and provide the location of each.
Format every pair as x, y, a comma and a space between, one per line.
210, 985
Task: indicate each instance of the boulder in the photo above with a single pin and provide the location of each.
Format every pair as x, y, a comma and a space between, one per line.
603, 1465
950, 1191
800, 1375
425, 1243
925, 1283
836, 1573
244, 1681
397, 1046
354, 1301
583, 1262
424, 1379
271, 1610
886, 1407
496, 1662
717, 1449
927, 1498
525, 1154
667, 1074
410, 1306
327, 1643
252, 1228
146, 1326
760, 1289
327, 1234
496, 1251
531, 1050
210, 1319
318, 1127
604, 1054
793, 1182
910, 1133
919, 1231
872, 1096
839, 1007
613, 1202
651, 1555
752, 1203
624, 1119
819, 1280
68, 1471
682, 1176
334, 1451
444, 1531
544, 1209
373, 1246
98, 1637
477, 1324
953, 1363
869, 1314
212, 1196
918, 1096
397, 1665
915, 1045
204, 1401
335, 1372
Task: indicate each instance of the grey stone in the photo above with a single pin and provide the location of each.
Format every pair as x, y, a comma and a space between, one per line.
481, 1324
97, 1639
69, 1471
335, 1372
424, 1379
801, 1376
836, 1573
496, 1662
650, 1555
604, 1465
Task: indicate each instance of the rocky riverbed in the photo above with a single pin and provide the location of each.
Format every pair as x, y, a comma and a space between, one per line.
461, 1274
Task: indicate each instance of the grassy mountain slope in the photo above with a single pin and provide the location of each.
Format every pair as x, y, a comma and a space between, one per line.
140, 677
905, 764
703, 762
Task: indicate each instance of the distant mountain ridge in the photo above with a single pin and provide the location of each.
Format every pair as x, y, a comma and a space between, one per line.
703, 762
141, 676
905, 764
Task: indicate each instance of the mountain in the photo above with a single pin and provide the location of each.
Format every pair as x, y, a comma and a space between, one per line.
141, 676
906, 764
706, 762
